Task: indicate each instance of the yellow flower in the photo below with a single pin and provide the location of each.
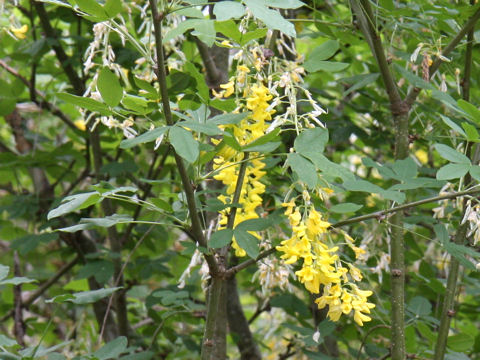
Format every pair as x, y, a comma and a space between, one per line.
229, 88
19, 32
360, 318
422, 156
226, 43
80, 124
243, 68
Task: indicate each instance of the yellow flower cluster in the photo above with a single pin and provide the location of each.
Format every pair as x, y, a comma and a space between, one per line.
322, 267
228, 161
19, 32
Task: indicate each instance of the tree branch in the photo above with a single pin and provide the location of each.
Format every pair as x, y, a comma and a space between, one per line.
197, 229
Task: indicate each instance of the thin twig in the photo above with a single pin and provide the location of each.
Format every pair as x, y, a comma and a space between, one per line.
380, 326
44, 103
119, 279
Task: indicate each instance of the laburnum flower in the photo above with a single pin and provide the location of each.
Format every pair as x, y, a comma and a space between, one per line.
229, 88
80, 124
19, 32
228, 161
321, 267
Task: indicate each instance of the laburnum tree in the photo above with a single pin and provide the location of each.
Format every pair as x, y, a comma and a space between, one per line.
254, 179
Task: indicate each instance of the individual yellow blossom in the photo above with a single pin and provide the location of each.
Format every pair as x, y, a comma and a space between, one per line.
422, 156
19, 32
229, 88
243, 68
226, 43
80, 124
242, 72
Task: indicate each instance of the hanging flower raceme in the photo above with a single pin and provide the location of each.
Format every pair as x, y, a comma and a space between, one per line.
322, 270
228, 160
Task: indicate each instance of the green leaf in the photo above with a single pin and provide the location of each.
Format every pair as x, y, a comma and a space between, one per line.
228, 28
144, 355
92, 7
180, 29
360, 81
149, 136
396, 196
220, 238
151, 92
205, 31
84, 297
460, 342
441, 233
304, 168
452, 171
470, 110
137, 104
225, 119
247, 242
328, 167
85, 103
109, 87
471, 132
284, 4
324, 51
4, 270
459, 252
225, 10
5, 341
74, 202
425, 331
420, 306
112, 350
230, 140
30, 242
413, 79
405, 169
271, 136
271, 18
362, 185
228, 105
252, 35
385, 171
328, 66
108, 221
311, 140
451, 154
254, 224
365, 186
113, 7
184, 143
17, 281
345, 208
209, 129
201, 89
475, 172
75, 228
453, 125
